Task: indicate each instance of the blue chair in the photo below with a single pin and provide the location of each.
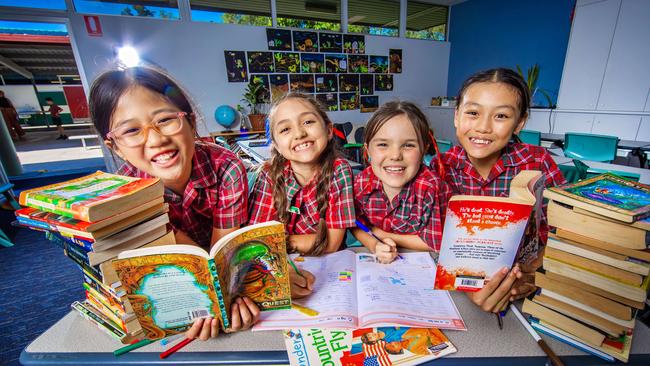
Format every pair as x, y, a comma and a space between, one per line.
530, 137
588, 146
592, 172
444, 145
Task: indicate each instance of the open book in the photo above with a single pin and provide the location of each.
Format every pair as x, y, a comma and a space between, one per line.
170, 286
353, 290
483, 234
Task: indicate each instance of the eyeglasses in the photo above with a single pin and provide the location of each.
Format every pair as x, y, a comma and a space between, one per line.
134, 134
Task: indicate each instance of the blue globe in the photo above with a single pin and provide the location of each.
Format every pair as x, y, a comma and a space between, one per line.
225, 115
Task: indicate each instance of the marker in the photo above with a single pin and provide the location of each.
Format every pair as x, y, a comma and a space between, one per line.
165, 341
131, 347
368, 231
178, 346
296, 269
305, 310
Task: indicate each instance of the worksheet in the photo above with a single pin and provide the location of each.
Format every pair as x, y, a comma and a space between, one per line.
353, 290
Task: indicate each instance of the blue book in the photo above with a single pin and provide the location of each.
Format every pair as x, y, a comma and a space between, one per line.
570, 341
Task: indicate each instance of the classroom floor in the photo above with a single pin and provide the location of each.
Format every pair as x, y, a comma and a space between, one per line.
37, 285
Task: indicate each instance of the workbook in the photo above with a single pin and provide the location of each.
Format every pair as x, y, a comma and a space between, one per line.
353, 290
483, 234
170, 286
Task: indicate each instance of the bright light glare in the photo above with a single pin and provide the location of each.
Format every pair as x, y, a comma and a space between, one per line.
128, 56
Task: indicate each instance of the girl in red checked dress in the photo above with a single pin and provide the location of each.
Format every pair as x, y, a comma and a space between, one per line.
492, 108
398, 197
148, 121
305, 185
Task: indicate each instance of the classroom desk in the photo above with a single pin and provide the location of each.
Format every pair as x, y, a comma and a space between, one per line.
625, 147
75, 341
259, 153
643, 173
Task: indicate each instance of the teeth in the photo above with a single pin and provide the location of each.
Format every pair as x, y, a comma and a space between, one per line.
480, 141
164, 157
302, 146
394, 169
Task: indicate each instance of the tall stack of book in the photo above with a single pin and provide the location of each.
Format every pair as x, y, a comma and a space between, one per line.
94, 218
596, 265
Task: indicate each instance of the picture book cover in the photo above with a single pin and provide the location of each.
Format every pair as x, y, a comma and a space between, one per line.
170, 286
483, 234
336, 63
606, 194
353, 290
93, 197
236, 68
330, 42
367, 346
278, 39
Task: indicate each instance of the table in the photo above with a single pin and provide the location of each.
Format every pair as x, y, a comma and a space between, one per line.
259, 153
643, 173
625, 147
75, 341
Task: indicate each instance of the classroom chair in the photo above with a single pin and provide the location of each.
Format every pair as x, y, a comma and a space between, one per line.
5, 190
530, 137
589, 146
4, 240
444, 145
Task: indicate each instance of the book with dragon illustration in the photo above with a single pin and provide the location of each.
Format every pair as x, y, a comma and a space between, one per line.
172, 285
483, 234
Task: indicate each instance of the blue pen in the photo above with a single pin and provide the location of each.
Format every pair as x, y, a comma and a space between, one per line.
368, 231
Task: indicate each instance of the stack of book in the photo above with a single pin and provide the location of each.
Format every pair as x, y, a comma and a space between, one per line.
94, 218
596, 265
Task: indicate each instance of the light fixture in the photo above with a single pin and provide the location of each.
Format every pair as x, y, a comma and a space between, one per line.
128, 56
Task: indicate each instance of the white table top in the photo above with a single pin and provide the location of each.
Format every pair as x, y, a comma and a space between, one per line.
622, 144
74, 340
643, 173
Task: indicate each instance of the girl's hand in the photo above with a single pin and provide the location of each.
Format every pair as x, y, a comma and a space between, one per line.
490, 297
204, 329
244, 313
386, 252
301, 286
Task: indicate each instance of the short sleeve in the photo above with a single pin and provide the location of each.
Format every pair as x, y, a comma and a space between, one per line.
340, 210
232, 196
261, 200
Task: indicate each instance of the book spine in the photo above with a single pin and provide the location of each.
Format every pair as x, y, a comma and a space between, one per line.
111, 302
33, 223
95, 283
86, 245
108, 313
34, 202
571, 342
102, 324
80, 261
217, 288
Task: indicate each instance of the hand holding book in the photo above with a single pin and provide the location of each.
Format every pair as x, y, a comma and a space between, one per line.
244, 314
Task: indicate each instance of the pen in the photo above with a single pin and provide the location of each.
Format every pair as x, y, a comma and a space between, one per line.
549, 352
178, 346
499, 320
131, 347
296, 269
369, 232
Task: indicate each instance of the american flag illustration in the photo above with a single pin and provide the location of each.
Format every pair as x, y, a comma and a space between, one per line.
376, 354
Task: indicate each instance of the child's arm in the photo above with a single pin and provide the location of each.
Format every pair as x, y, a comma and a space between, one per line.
303, 243
408, 241
491, 297
220, 233
183, 238
244, 313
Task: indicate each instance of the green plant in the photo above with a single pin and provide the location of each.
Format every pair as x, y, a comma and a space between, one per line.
531, 80
255, 97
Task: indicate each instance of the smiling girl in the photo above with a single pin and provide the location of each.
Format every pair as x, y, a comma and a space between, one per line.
401, 199
148, 121
492, 108
304, 185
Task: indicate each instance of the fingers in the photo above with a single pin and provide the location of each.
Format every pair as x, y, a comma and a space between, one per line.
496, 289
301, 286
194, 331
203, 329
235, 322
309, 278
253, 312
386, 252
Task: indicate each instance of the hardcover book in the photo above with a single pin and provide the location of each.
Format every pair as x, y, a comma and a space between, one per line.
170, 286
94, 197
483, 234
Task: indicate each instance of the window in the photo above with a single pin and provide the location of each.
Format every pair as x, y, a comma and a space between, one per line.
42, 4
162, 9
426, 21
377, 17
311, 14
250, 12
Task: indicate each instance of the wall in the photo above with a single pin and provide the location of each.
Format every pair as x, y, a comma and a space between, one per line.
606, 79
493, 33
193, 53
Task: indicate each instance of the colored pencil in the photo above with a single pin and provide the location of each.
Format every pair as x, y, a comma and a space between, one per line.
131, 347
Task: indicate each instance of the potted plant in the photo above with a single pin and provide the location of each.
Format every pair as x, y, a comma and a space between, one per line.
531, 80
255, 96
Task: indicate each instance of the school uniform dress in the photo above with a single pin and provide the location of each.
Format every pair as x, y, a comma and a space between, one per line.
418, 209
303, 206
463, 178
216, 196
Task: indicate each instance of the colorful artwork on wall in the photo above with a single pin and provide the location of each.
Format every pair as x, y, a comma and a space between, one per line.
354, 43
366, 84
383, 82
264, 80
336, 63
305, 41
349, 82
260, 62
348, 101
330, 42
368, 103
278, 39
326, 83
287, 62
236, 66
358, 63
312, 62
378, 64
301, 83
279, 86
395, 56
330, 101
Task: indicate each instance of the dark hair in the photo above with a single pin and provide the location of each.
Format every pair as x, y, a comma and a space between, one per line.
48, 99
111, 85
500, 75
418, 120
276, 165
